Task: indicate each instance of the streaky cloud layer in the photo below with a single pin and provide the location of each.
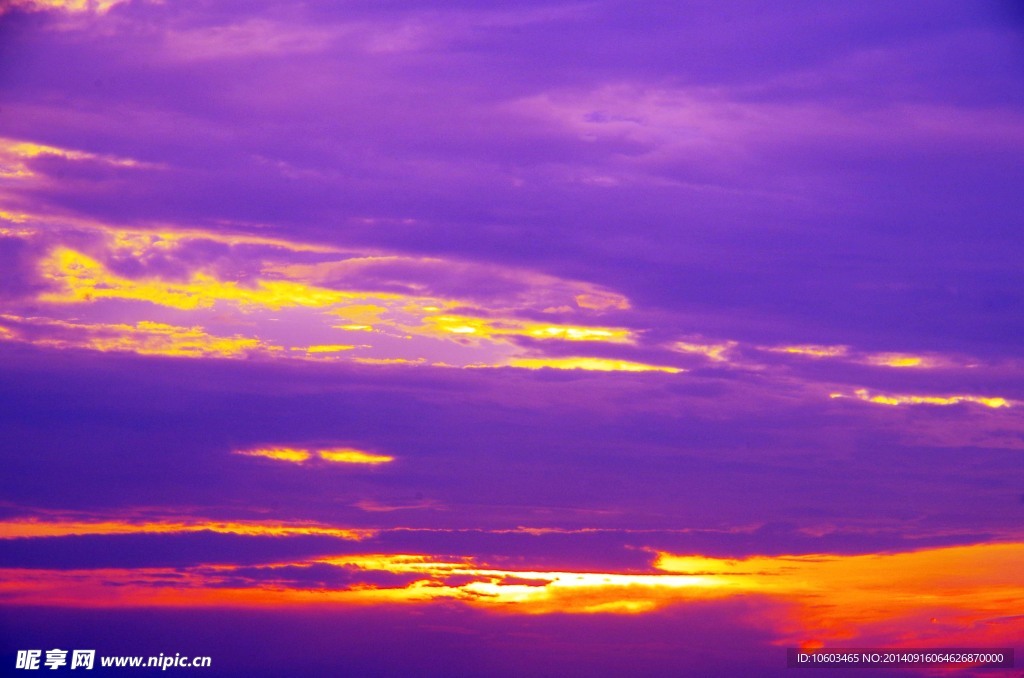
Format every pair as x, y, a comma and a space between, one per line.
511, 338
967, 592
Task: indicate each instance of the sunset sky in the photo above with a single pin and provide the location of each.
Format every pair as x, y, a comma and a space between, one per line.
598, 338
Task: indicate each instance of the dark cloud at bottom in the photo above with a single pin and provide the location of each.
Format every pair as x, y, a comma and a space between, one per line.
705, 639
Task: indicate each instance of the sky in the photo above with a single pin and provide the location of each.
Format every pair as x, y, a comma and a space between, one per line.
512, 338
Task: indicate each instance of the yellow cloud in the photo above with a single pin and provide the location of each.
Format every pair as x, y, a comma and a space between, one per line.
350, 455
14, 217
594, 364
336, 455
485, 335
302, 303
884, 399
897, 360
548, 591
325, 348
84, 279
289, 454
14, 153
144, 338
488, 328
888, 359
510, 289
390, 361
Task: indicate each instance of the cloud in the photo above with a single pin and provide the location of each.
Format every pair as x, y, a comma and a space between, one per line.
359, 308
883, 399
16, 158
35, 527
887, 359
333, 455
70, 6
954, 588
83, 279
256, 37
295, 456
595, 364
472, 178
937, 593
144, 337
250, 252
350, 455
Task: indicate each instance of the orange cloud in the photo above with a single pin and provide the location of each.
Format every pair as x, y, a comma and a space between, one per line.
967, 593
840, 597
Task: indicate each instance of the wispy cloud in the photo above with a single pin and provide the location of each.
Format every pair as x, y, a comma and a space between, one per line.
72, 6
359, 308
50, 527
334, 455
888, 399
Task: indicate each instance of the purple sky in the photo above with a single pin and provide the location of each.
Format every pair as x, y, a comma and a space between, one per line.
520, 290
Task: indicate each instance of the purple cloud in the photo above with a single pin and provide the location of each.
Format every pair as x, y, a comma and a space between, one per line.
456, 235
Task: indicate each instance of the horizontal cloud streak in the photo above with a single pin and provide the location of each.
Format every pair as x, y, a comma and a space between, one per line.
981, 584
